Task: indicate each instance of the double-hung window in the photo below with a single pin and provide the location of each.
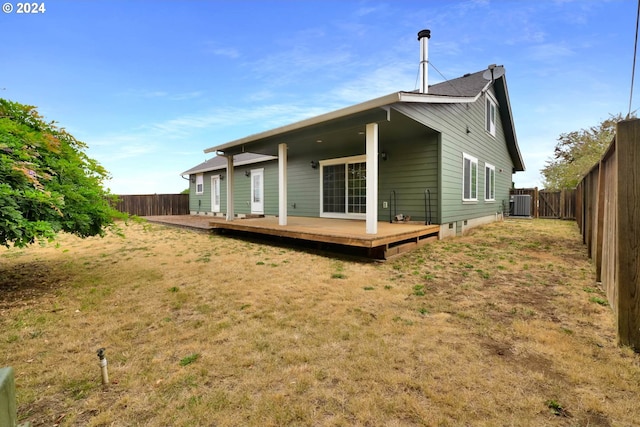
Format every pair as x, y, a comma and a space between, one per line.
199, 183
469, 178
489, 182
490, 115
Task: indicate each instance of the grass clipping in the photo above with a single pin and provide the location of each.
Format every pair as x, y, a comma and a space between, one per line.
504, 326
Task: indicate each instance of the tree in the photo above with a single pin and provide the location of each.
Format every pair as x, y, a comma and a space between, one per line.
47, 182
577, 152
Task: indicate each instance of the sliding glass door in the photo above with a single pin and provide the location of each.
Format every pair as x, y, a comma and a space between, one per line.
344, 188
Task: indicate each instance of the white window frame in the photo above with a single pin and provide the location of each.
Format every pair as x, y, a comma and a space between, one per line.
490, 113
469, 179
489, 182
199, 183
341, 161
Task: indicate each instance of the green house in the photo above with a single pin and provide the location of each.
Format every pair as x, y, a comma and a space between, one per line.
444, 154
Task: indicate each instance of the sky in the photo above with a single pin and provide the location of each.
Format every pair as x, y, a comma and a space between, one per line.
148, 85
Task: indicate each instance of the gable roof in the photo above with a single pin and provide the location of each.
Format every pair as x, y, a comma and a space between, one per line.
220, 162
465, 89
469, 85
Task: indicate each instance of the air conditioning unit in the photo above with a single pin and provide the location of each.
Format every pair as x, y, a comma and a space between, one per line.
521, 205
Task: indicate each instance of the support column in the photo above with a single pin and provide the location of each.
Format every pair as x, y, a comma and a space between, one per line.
372, 178
230, 198
282, 184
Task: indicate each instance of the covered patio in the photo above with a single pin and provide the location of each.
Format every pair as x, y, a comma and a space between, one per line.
391, 238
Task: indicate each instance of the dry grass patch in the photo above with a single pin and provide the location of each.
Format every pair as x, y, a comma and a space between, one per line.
498, 327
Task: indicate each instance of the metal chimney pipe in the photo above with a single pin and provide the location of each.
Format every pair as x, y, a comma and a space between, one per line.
423, 38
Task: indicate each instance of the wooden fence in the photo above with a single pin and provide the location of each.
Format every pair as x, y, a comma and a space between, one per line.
550, 204
608, 214
153, 204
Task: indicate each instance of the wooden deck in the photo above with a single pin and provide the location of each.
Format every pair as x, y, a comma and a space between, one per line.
392, 239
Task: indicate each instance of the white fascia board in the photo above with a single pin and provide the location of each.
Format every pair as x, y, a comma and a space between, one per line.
382, 101
368, 105
240, 163
423, 98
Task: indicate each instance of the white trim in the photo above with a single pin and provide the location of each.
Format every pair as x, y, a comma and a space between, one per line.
340, 161
282, 184
336, 215
382, 101
490, 125
199, 182
224, 166
215, 185
473, 160
493, 184
372, 178
257, 207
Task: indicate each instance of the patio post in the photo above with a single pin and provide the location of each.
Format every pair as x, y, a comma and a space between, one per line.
282, 184
230, 176
372, 178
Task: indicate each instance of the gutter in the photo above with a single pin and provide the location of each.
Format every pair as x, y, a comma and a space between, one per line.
382, 101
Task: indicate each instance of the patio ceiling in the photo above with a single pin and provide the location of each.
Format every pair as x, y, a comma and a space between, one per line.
393, 125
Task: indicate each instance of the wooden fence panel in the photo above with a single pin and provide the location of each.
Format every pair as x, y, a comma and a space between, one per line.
550, 204
153, 204
608, 214
628, 232
607, 271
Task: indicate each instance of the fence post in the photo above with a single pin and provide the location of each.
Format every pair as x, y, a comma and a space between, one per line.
628, 233
599, 225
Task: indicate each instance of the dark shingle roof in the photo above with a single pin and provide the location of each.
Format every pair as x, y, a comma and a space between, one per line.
468, 85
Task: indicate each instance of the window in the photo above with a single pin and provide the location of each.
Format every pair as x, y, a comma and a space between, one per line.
199, 183
489, 182
344, 187
469, 178
357, 173
490, 115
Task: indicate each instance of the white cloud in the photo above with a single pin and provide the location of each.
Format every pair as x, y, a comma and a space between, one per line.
550, 52
161, 94
227, 51
389, 78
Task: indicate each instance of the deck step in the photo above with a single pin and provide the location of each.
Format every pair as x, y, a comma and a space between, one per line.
396, 250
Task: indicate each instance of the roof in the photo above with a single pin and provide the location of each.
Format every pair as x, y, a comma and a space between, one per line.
220, 162
465, 89
468, 85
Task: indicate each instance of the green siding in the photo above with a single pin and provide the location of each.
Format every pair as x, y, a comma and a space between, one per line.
303, 181
410, 169
452, 121
202, 202
424, 144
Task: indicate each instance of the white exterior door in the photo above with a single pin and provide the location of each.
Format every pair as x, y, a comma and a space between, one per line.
215, 193
257, 191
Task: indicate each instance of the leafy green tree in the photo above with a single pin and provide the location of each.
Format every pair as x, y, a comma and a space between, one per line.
47, 182
576, 153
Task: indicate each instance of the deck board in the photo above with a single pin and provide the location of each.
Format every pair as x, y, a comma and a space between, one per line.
325, 230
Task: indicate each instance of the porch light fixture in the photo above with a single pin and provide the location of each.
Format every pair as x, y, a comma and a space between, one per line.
314, 164
193, 179
247, 173
383, 155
